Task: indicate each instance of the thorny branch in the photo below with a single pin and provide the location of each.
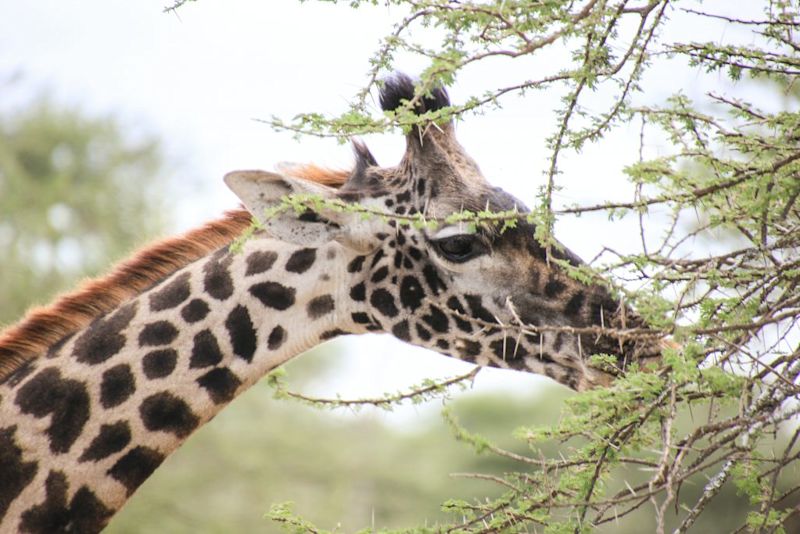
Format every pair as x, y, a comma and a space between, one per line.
718, 269
427, 390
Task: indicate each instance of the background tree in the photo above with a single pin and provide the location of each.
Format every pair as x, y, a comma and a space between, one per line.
70, 185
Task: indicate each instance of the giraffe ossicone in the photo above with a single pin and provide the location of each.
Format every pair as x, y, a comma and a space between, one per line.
99, 387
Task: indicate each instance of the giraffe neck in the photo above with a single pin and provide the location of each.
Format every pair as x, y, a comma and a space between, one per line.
82, 426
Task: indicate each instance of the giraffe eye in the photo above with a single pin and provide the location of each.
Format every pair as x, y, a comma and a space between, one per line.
459, 248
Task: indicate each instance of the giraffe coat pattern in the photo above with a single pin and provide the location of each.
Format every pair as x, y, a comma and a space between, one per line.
86, 417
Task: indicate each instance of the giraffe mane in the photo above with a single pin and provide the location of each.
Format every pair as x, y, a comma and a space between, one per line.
321, 175
45, 326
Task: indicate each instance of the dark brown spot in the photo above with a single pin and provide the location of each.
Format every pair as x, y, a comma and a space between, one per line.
477, 310
360, 318
15, 473
436, 319
330, 334
383, 301
377, 258
508, 349
320, 306
112, 438
260, 261
421, 187
400, 331
195, 311
301, 260
159, 363
135, 467
217, 281
274, 295
158, 333
423, 333
553, 288
116, 386
276, 338
571, 378
84, 513
432, 278
104, 338
172, 294
205, 350
574, 305
358, 292
66, 401
469, 349
380, 274
454, 304
220, 383
356, 264
167, 413
411, 293
242, 333
558, 341
602, 308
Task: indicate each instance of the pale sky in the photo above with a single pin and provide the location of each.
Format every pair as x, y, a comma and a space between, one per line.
198, 79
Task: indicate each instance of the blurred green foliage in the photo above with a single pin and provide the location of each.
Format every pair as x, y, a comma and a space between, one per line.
75, 192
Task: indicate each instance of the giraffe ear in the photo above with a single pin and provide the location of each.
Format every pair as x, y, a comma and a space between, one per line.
261, 190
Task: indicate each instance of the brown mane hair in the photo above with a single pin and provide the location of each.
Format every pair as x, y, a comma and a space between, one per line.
321, 175
43, 327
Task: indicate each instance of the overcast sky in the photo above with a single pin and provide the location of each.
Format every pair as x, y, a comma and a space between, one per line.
198, 78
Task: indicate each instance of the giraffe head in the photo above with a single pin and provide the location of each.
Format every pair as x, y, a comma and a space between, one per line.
485, 296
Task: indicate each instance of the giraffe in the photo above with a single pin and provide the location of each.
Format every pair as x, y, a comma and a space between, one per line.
99, 387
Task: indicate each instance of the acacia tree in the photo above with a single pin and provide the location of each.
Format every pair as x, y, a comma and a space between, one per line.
732, 310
